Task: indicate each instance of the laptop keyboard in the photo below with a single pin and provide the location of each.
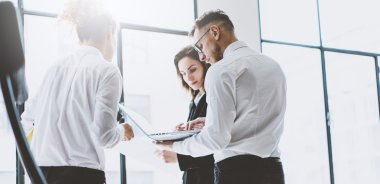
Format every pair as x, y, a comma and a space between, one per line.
163, 133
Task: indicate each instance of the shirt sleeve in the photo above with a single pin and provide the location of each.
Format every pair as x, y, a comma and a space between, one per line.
107, 132
221, 112
28, 116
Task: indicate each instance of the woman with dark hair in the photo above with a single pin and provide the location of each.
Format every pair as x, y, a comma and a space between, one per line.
191, 71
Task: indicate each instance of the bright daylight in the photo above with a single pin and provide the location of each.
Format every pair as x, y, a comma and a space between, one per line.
189, 92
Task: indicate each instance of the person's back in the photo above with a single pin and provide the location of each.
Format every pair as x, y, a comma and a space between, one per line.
260, 100
74, 111
76, 84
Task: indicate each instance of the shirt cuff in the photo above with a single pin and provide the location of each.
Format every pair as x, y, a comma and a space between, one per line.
177, 147
120, 129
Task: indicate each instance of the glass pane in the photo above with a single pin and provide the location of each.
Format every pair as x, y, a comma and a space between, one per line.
285, 20
48, 6
7, 146
355, 27
304, 144
152, 89
44, 48
112, 166
355, 125
171, 14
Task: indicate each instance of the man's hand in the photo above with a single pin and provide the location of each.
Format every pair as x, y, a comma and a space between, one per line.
128, 132
167, 156
166, 145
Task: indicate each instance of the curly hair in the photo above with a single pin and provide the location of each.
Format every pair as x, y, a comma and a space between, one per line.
91, 20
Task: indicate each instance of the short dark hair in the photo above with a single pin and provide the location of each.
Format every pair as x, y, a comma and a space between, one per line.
190, 52
212, 16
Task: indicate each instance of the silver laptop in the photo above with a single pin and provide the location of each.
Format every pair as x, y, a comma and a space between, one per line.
141, 124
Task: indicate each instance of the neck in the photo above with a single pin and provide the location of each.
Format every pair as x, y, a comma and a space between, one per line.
99, 46
227, 41
201, 91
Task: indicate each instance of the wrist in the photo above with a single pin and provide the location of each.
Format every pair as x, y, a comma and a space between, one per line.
120, 129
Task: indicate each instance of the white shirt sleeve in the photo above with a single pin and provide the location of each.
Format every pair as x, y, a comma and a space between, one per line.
221, 112
27, 117
105, 129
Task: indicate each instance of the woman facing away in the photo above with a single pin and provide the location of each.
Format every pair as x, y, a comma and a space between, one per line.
74, 112
191, 71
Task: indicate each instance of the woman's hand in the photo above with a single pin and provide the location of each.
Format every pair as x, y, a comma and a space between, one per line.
181, 127
198, 123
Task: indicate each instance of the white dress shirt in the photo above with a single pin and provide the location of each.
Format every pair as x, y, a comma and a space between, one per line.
246, 96
74, 112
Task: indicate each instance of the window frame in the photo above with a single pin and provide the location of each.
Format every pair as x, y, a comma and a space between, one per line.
324, 49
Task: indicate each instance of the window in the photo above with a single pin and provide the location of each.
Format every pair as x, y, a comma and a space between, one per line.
285, 20
7, 146
349, 89
45, 42
355, 26
152, 73
148, 70
355, 127
169, 14
55, 6
303, 145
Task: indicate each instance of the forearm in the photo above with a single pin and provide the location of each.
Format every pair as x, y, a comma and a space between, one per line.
205, 143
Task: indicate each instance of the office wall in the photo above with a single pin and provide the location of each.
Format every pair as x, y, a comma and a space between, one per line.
244, 15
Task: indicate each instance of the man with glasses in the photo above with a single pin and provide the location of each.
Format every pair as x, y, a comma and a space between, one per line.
246, 96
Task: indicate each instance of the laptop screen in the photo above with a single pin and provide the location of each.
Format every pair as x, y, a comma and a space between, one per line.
142, 124
139, 121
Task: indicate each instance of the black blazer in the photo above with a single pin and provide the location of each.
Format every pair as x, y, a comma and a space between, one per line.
188, 162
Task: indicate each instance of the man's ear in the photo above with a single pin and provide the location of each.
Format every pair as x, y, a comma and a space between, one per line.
215, 32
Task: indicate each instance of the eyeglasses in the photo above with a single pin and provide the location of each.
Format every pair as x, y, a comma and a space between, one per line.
198, 48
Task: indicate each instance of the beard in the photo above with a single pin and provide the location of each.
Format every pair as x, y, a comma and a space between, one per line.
218, 53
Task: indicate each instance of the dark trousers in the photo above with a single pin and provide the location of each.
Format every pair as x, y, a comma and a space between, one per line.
204, 175
249, 169
73, 175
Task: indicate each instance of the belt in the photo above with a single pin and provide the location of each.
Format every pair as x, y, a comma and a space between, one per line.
247, 162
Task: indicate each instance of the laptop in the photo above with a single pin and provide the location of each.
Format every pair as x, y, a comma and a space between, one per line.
145, 127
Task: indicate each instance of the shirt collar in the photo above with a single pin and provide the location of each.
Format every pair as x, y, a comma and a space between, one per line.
233, 47
89, 49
